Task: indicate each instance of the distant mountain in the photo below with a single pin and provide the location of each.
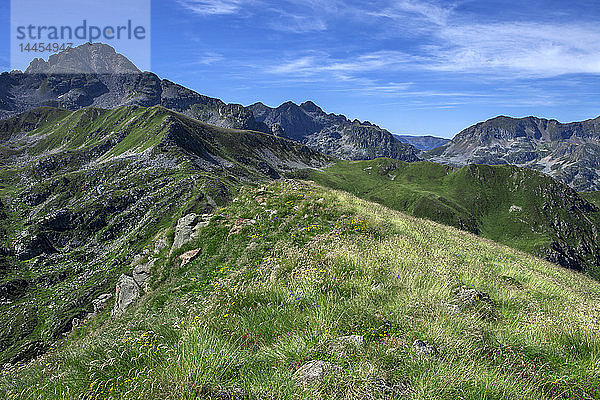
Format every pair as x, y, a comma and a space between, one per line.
96, 76
332, 134
85, 59
426, 142
568, 152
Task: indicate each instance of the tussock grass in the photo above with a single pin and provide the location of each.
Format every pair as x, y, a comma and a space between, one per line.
255, 305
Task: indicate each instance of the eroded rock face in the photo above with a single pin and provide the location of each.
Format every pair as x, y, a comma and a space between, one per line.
126, 293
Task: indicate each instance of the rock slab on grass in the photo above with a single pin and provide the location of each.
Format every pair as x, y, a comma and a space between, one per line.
313, 371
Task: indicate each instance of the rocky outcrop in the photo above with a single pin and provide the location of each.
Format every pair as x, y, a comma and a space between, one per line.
188, 228
141, 274
127, 292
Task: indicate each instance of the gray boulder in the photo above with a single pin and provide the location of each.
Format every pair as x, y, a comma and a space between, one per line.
314, 371
355, 340
126, 293
423, 348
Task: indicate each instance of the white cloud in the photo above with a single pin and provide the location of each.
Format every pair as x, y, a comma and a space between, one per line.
525, 49
411, 9
212, 7
459, 43
320, 63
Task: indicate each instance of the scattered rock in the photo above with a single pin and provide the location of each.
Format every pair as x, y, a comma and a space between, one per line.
390, 388
188, 256
515, 209
127, 292
355, 340
100, 302
470, 296
313, 371
75, 323
423, 348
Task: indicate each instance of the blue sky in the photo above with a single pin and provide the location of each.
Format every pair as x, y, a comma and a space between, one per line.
411, 66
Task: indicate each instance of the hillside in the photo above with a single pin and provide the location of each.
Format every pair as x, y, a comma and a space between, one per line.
82, 191
569, 152
517, 207
385, 305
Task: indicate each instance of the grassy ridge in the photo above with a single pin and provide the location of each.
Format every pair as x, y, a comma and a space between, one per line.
285, 270
517, 207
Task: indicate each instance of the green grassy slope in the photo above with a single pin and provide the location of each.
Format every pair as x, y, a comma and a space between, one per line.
517, 207
263, 297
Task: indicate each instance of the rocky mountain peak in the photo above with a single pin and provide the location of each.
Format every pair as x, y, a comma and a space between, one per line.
311, 107
96, 58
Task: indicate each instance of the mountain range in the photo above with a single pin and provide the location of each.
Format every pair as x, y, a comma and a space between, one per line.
569, 152
99, 77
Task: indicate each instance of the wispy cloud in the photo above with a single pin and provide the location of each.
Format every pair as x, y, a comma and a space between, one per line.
518, 49
317, 64
212, 7
459, 43
415, 12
